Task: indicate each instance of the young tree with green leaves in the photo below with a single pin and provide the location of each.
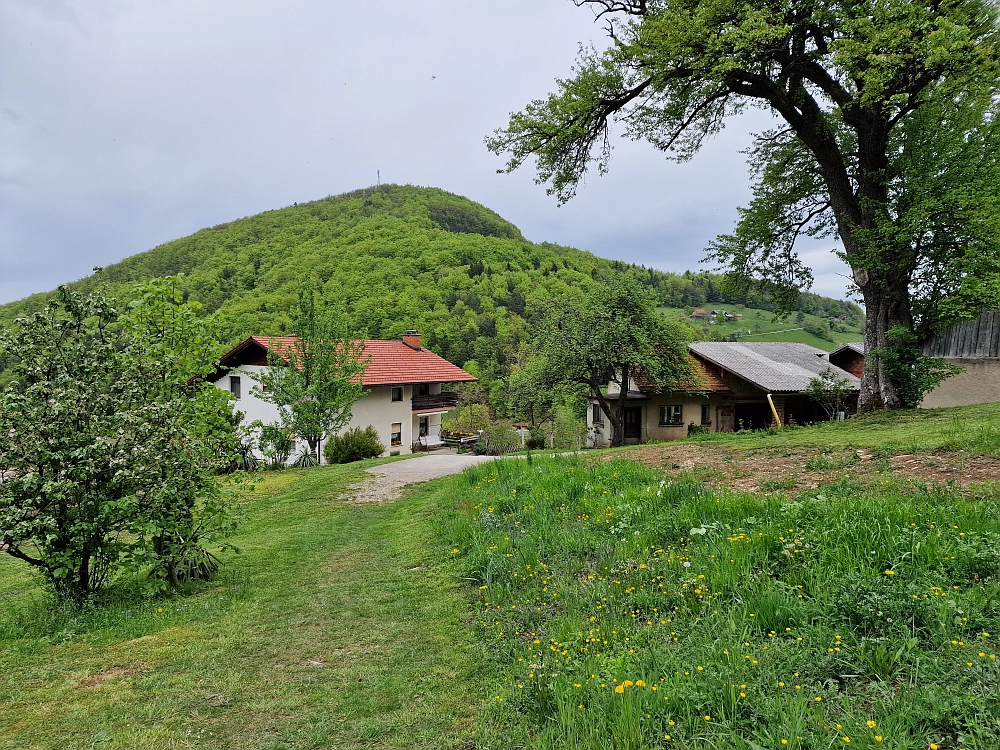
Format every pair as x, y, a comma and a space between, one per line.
612, 335
830, 391
314, 380
889, 138
109, 442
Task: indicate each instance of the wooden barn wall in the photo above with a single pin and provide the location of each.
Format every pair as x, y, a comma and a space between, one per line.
970, 339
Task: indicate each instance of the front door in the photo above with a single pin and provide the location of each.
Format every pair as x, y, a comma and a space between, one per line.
633, 423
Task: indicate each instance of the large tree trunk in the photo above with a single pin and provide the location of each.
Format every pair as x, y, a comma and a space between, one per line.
887, 305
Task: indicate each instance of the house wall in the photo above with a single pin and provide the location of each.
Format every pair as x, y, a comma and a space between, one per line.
379, 410
376, 408
852, 361
599, 434
691, 410
978, 383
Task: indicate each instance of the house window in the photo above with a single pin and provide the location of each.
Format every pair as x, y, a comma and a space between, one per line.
424, 389
671, 414
706, 414
423, 427
396, 437
598, 414
397, 393
234, 386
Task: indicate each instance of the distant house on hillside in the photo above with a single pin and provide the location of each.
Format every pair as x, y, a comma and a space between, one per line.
728, 391
699, 314
973, 345
404, 402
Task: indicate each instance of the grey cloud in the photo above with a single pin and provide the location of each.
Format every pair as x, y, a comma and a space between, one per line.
139, 122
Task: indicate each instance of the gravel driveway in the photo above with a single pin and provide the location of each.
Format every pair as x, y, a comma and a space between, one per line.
386, 482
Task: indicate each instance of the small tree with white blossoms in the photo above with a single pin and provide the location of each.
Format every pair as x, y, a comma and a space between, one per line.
109, 442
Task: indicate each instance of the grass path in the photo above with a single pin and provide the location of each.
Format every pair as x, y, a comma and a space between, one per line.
335, 628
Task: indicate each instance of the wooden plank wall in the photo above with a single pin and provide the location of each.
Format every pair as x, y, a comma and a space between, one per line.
970, 339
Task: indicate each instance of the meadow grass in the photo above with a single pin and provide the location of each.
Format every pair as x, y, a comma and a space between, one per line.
622, 611
973, 429
336, 627
557, 602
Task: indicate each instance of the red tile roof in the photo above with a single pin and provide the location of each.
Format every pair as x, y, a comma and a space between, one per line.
389, 362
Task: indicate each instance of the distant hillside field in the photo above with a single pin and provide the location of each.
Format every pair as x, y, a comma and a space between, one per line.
759, 325
394, 258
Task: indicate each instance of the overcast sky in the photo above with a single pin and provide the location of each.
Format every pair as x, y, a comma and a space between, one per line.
128, 123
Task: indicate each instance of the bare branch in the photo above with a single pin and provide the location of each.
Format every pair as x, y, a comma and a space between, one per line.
614, 6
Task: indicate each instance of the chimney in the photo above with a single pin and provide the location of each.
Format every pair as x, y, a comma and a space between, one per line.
412, 339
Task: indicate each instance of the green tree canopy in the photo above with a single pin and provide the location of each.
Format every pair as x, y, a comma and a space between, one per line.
611, 335
316, 378
889, 139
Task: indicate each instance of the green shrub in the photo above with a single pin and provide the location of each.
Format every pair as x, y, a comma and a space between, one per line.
469, 419
818, 330
276, 445
537, 439
354, 445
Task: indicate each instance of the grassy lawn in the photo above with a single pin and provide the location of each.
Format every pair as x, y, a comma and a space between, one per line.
974, 429
569, 602
334, 628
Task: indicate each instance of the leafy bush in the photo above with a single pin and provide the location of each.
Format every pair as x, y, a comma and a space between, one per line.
913, 374
471, 418
354, 445
817, 330
536, 439
111, 441
276, 444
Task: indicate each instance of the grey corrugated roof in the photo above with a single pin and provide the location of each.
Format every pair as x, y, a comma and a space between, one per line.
775, 367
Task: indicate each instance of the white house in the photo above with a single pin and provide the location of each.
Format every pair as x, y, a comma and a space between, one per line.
402, 380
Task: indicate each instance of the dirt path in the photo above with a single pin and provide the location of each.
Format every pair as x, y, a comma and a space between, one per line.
770, 470
385, 483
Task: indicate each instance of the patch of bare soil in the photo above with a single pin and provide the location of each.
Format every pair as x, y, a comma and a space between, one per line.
115, 674
378, 488
949, 467
783, 470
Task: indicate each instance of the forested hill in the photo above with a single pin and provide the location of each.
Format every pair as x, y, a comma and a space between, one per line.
394, 257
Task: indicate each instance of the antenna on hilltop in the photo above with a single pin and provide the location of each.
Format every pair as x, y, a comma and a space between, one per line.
378, 177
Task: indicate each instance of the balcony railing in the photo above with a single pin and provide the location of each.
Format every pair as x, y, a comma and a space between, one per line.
435, 401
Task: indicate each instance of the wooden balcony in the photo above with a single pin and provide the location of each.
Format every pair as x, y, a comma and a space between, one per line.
435, 401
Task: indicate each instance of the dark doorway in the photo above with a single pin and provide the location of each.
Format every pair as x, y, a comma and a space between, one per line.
633, 423
753, 416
